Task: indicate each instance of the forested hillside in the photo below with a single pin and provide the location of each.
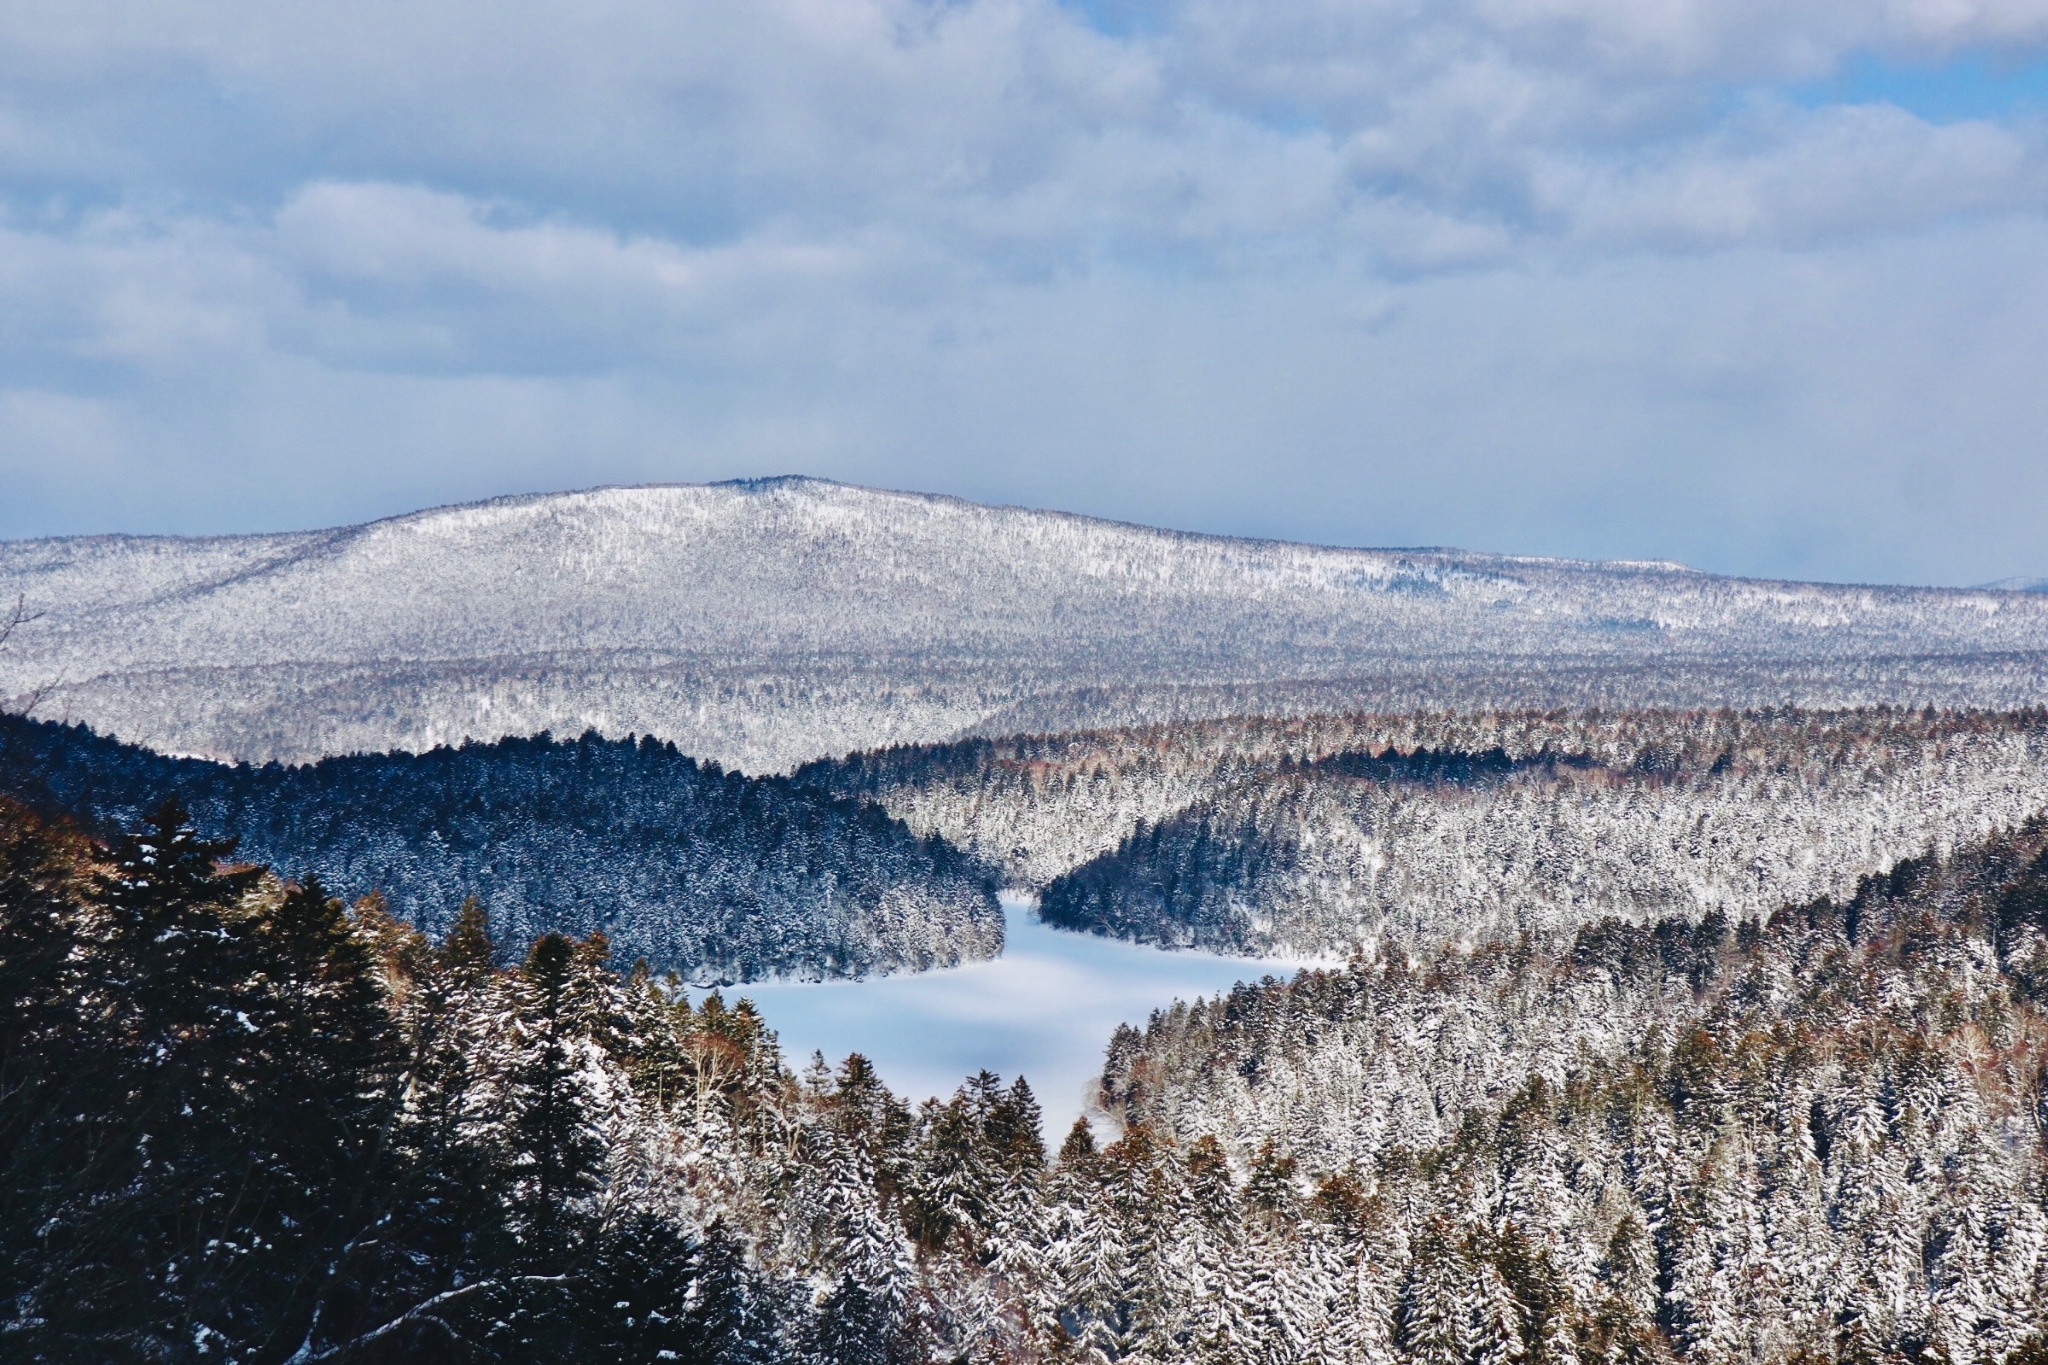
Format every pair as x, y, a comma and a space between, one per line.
238, 1122
1316, 836
716, 875
1815, 1138
769, 622
1643, 817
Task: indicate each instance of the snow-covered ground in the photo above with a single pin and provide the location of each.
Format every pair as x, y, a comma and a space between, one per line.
1044, 1009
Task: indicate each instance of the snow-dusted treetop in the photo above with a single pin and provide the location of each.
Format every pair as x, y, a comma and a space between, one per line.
764, 622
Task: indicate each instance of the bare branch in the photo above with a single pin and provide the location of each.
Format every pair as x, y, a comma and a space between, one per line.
36, 696
11, 620
421, 1312
17, 617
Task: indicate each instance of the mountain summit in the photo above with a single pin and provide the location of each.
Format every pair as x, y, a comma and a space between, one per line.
763, 622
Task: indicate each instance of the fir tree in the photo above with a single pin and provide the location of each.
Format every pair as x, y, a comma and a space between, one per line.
161, 1264
953, 1190
555, 1143
1437, 1304
1079, 1144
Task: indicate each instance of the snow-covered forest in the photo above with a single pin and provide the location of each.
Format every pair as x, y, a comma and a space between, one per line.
1667, 1037
719, 876
769, 622
1323, 835
241, 1122
1816, 1137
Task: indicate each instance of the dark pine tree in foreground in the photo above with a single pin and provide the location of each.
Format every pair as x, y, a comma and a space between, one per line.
242, 1122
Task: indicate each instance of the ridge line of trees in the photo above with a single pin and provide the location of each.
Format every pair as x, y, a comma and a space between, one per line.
718, 875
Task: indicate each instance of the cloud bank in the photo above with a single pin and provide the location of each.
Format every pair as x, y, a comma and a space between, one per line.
1698, 280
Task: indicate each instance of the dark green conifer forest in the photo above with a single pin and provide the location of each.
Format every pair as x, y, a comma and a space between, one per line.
717, 875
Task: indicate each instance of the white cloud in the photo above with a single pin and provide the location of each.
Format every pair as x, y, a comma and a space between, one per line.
1476, 268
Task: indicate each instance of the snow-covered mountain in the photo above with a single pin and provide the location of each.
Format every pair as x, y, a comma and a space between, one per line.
766, 622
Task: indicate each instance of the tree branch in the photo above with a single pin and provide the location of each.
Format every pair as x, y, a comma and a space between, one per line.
11, 620
422, 1311
17, 617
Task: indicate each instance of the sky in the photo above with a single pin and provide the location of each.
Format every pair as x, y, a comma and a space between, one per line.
1760, 285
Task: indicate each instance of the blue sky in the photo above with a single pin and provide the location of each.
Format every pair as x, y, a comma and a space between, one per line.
1760, 286
1952, 88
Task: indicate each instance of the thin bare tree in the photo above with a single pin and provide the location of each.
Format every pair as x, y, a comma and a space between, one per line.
18, 617
12, 620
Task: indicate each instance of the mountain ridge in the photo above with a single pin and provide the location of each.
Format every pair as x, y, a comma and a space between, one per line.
767, 622
776, 482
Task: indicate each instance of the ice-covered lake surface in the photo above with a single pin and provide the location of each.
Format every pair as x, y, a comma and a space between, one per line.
1044, 1009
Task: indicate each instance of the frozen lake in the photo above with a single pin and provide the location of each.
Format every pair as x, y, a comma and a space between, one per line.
1044, 1009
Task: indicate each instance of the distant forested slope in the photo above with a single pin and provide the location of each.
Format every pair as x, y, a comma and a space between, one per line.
769, 622
1324, 834
1642, 817
717, 875
1039, 805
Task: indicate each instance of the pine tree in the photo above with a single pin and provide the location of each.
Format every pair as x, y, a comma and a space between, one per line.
653, 1293
857, 1240
160, 1264
1496, 1332
321, 1068
1629, 1270
58, 1074
1096, 1282
953, 1190
1271, 1188
1361, 1319
449, 1222
729, 1320
850, 1328
636, 1291
555, 1144
1211, 1190
468, 953
1437, 1304
1079, 1144
1010, 1129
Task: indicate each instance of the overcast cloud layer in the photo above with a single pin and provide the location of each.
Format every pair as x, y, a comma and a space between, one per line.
1757, 284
